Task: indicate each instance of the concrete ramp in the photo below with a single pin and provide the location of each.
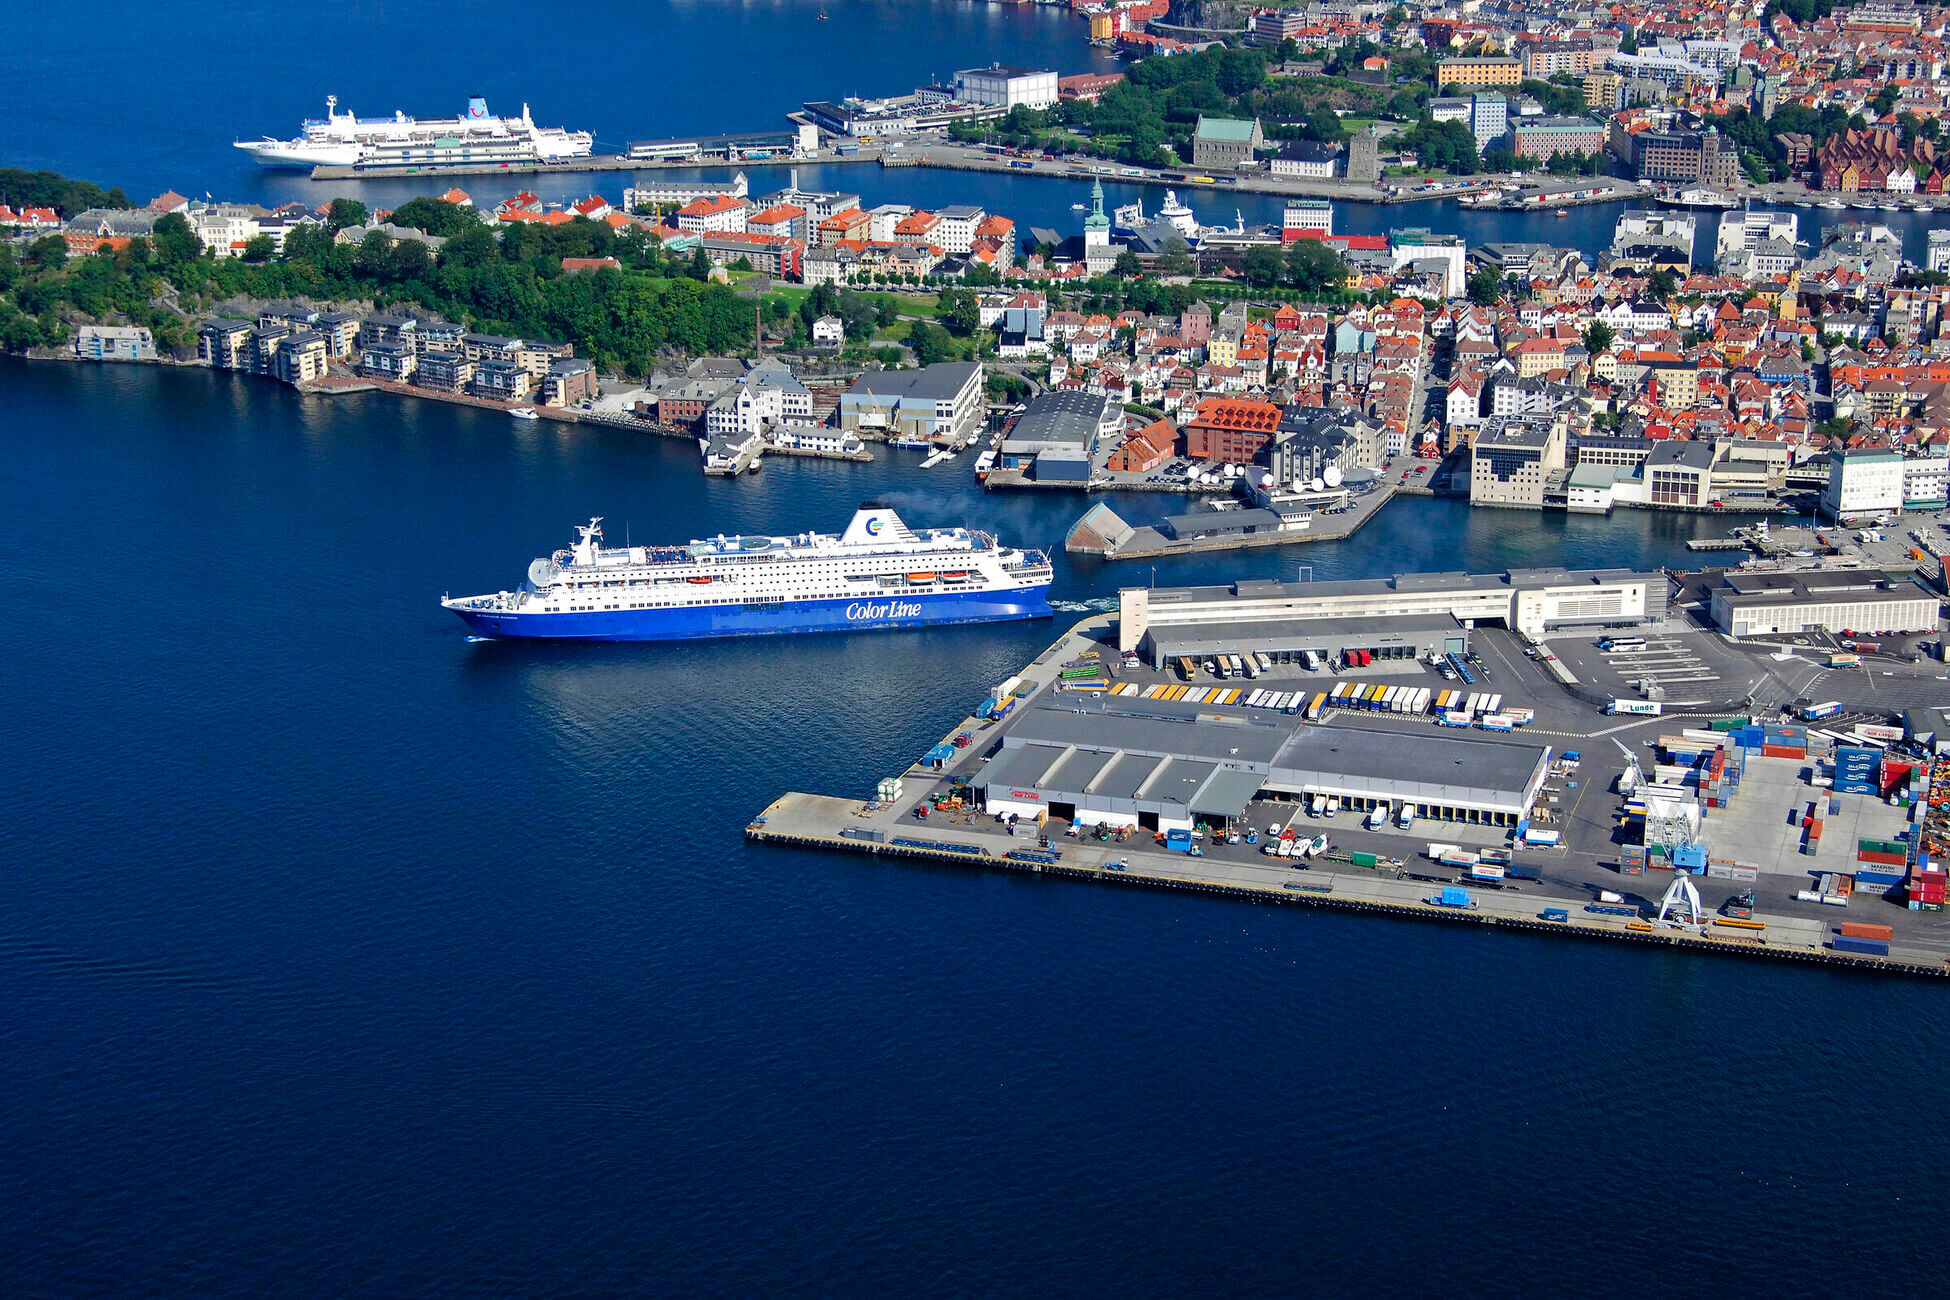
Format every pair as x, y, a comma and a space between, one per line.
1099, 532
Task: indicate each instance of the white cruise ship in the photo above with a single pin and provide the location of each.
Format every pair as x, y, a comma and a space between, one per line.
879, 573
476, 137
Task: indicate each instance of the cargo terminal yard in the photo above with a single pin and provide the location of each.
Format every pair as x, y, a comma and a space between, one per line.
1438, 746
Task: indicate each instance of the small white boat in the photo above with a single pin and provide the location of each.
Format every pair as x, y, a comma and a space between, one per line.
524, 413
1076, 207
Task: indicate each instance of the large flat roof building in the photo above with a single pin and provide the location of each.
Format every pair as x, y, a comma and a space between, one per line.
1868, 601
1530, 601
1156, 765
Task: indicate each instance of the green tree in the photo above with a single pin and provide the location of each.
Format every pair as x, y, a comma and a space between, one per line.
260, 248
175, 243
1597, 338
343, 213
1264, 266
435, 216
960, 311
48, 253
1312, 267
1174, 257
1128, 265
1485, 286
1661, 285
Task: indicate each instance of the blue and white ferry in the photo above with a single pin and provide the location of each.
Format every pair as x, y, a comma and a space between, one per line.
879, 573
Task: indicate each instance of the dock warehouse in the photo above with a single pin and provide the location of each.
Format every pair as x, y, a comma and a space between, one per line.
1398, 641
1530, 601
1157, 766
1057, 435
1862, 600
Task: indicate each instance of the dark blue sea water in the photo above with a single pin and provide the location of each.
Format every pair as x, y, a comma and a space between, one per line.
340, 955
150, 97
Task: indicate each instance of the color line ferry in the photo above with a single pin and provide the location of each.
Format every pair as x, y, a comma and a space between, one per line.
877, 574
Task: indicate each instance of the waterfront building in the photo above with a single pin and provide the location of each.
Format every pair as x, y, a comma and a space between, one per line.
1529, 601
114, 343
225, 343
445, 372
1512, 461
393, 361
1496, 71
1005, 88
1543, 138
302, 357
1306, 219
1056, 437
1224, 142
1829, 600
1863, 483
501, 379
1653, 240
1230, 431
569, 380
938, 403
1309, 159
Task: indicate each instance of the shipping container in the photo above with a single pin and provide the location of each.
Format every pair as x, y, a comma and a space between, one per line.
1557, 914
1364, 859
1861, 947
1867, 930
1451, 896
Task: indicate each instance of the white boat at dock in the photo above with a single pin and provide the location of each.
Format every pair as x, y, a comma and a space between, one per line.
524, 413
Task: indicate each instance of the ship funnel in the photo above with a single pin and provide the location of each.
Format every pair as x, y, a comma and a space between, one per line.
476, 108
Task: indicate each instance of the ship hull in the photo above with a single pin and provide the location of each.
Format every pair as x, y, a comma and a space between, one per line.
704, 622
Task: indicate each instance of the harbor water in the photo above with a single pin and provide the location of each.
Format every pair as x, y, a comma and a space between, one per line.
338, 947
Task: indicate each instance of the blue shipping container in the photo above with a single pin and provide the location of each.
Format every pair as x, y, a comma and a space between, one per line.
1454, 897
1866, 947
1870, 876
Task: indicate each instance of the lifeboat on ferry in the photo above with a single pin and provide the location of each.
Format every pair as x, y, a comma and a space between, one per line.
698, 582
955, 577
920, 577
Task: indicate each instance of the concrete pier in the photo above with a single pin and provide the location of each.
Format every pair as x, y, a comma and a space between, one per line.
1402, 885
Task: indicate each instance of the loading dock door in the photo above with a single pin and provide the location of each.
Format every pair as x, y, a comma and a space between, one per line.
1455, 645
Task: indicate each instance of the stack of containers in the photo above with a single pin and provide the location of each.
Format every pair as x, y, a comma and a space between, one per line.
1926, 886
1896, 774
1882, 864
1784, 742
1858, 769
1810, 834
1863, 939
1718, 778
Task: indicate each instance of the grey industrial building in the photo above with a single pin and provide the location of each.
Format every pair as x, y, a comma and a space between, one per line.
1056, 436
1831, 600
1530, 601
1154, 765
1402, 638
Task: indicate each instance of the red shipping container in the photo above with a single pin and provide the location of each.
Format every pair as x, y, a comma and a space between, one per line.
1881, 859
1864, 930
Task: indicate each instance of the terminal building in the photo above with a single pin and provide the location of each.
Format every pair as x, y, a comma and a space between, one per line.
1157, 766
1867, 601
1290, 618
